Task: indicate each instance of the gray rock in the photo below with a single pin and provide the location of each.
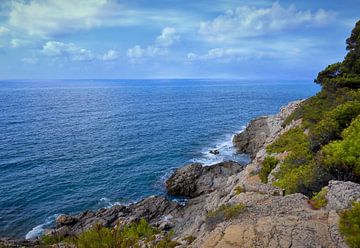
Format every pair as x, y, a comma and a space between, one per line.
194, 179
153, 209
263, 130
341, 194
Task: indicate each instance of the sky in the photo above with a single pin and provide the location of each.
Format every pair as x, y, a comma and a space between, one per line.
108, 39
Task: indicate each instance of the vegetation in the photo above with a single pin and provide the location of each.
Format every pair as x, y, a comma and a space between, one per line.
131, 235
350, 225
223, 213
268, 165
238, 190
319, 199
343, 157
327, 144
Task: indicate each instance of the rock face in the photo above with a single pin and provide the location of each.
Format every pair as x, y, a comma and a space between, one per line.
262, 130
194, 179
153, 209
340, 194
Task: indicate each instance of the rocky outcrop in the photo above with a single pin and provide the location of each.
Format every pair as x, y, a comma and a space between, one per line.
262, 130
273, 221
194, 179
340, 195
154, 209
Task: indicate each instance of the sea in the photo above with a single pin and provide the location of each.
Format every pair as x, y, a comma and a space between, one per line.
71, 145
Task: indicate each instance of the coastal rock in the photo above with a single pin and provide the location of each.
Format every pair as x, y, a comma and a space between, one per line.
153, 209
273, 221
262, 130
194, 179
341, 195
17, 243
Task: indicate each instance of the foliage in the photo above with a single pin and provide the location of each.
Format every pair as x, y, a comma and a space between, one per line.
319, 199
239, 189
342, 158
189, 239
350, 225
268, 165
131, 235
346, 73
224, 212
334, 121
290, 141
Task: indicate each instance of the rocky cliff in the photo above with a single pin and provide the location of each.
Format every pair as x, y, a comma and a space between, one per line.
267, 217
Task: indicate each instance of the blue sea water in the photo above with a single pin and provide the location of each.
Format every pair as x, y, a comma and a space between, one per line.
71, 145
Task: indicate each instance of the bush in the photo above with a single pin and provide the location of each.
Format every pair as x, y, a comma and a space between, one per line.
131, 235
238, 190
350, 225
342, 158
292, 140
333, 123
319, 199
223, 213
268, 165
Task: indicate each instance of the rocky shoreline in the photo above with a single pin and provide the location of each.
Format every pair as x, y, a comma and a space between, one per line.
269, 219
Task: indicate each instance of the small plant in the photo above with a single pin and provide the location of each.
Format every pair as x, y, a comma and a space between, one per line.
350, 225
224, 212
131, 235
268, 165
238, 190
319, 199
189, 239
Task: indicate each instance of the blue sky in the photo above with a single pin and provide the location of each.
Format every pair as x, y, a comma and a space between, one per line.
172, 38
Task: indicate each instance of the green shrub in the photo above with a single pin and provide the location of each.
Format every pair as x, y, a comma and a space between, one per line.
333, 123
268, 165
223, 213
239, 189
319, 199
299, 179
342, 158
292, 140
350, 225
131, 235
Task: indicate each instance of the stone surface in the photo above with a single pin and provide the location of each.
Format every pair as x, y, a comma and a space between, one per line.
262, 130
194, 179
340, 194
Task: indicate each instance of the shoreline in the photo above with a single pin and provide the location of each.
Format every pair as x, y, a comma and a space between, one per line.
206, 188
206, 159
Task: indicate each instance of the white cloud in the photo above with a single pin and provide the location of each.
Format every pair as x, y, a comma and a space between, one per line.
251, 22
253, 50
48, 17
30, 61
16, 43
67, 50
167, 37
4, 31
137, 52
111, 55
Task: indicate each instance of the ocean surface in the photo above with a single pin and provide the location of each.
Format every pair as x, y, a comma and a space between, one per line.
71, 145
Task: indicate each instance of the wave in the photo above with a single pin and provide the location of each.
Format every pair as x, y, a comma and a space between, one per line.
39, 229
226, 151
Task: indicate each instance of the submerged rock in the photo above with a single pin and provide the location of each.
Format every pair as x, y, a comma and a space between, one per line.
194, 179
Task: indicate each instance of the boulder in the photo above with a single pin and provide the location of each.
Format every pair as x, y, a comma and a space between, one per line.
194, 179
341, 194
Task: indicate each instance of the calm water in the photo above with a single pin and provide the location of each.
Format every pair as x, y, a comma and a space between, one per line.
67, 146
